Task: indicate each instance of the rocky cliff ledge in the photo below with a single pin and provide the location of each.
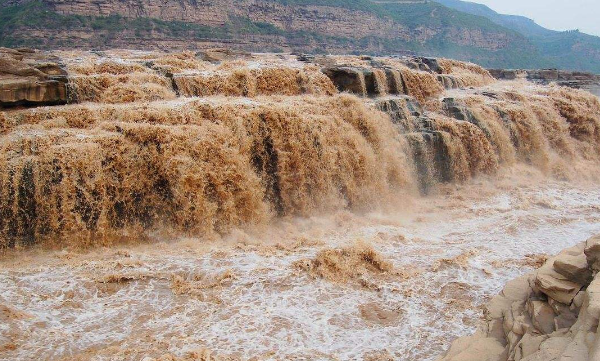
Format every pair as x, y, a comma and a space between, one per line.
550, 314
29, 77
571, 79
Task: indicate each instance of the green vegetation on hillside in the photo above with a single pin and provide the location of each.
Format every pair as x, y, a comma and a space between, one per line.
570, 50
519, 52
36, 15
359, 5
445, 28
433, 14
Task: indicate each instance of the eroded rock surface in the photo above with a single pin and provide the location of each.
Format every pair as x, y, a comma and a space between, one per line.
28, 77
550, 314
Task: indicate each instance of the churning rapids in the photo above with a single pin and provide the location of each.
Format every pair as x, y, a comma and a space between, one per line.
184, 210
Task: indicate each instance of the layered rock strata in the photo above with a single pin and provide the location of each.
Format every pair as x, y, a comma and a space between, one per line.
28, 77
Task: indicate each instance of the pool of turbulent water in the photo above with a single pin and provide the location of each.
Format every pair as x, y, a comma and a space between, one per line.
243, 297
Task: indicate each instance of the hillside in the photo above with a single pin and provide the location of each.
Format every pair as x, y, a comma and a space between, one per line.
332, 26
570, 50
448, 28
518, 23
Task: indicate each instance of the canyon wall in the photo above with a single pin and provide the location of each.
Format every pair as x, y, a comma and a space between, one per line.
259, 25
336, 21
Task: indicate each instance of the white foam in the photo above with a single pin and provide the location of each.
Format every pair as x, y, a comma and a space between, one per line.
271, 309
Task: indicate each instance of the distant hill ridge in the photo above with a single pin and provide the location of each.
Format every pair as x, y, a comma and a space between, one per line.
571, 50
447, 28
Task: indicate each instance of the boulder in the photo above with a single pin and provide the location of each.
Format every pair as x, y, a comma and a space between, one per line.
565, 320
578, 301
592, 252
566, 315
555, 285
475, 348
528, 345
575, 350
574, 268
51, 69
13, 53
10, 66
542, 316
518, 289
550, 349
593, 292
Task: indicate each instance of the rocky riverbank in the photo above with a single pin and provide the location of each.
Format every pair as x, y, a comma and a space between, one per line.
550, 314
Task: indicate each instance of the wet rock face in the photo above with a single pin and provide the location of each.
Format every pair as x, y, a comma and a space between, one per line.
32, 92
347, 79
457, 109
376, 78
507, 74
428, 151
372, 82
551, 314
30, 78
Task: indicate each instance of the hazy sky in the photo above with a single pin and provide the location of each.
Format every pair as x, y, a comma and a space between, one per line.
553, 14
